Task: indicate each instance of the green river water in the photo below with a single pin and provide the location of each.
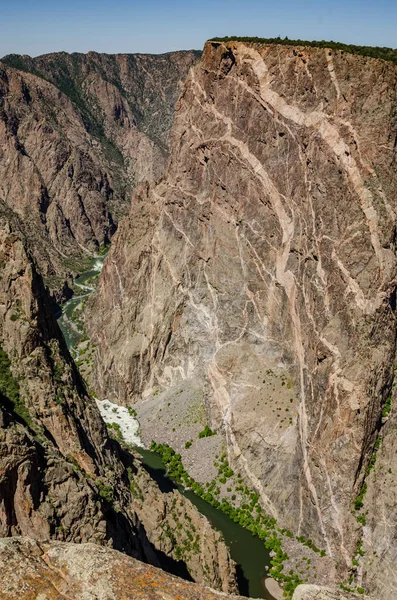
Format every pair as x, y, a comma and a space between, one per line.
70, 329
246, 550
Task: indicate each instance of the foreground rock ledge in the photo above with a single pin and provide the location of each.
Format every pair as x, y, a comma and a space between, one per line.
64, 571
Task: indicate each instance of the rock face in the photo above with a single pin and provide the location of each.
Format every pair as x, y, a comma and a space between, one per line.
379, 533
64, 571
262, 272
55, 453
61, 477
77, 132
315, 592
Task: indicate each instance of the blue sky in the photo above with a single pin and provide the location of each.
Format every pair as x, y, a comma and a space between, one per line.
39, 26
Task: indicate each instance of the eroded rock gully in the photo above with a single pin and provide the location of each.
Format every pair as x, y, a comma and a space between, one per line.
262, 273
61, 477
77, 133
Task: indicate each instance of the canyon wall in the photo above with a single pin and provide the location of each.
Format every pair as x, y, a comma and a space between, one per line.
77, 133
61, 476
262, 273
55, 453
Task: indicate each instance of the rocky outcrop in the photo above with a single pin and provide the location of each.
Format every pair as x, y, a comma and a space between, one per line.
315, 592
77, 133
61, 477
261, 272
63, 571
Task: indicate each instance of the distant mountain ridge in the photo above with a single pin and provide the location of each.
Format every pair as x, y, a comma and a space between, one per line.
67, 71
79, 133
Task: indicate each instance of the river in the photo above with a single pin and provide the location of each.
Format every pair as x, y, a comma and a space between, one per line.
72, 331
246, 550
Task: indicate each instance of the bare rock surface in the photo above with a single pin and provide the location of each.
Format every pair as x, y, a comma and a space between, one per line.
315, 592
65, 571
377, 559
263, 270
77, 133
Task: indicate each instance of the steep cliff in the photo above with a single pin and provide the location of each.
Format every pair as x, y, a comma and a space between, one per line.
77, 133
61, 477
260, 277
55, 454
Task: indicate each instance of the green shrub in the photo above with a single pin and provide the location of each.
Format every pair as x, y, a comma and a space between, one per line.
10, 389
387, 407
188, 444
359, 501
207, 432
361, 519
57, 371
102, 251
309, 543
74, 462
105, 491
117, 429
360, 550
